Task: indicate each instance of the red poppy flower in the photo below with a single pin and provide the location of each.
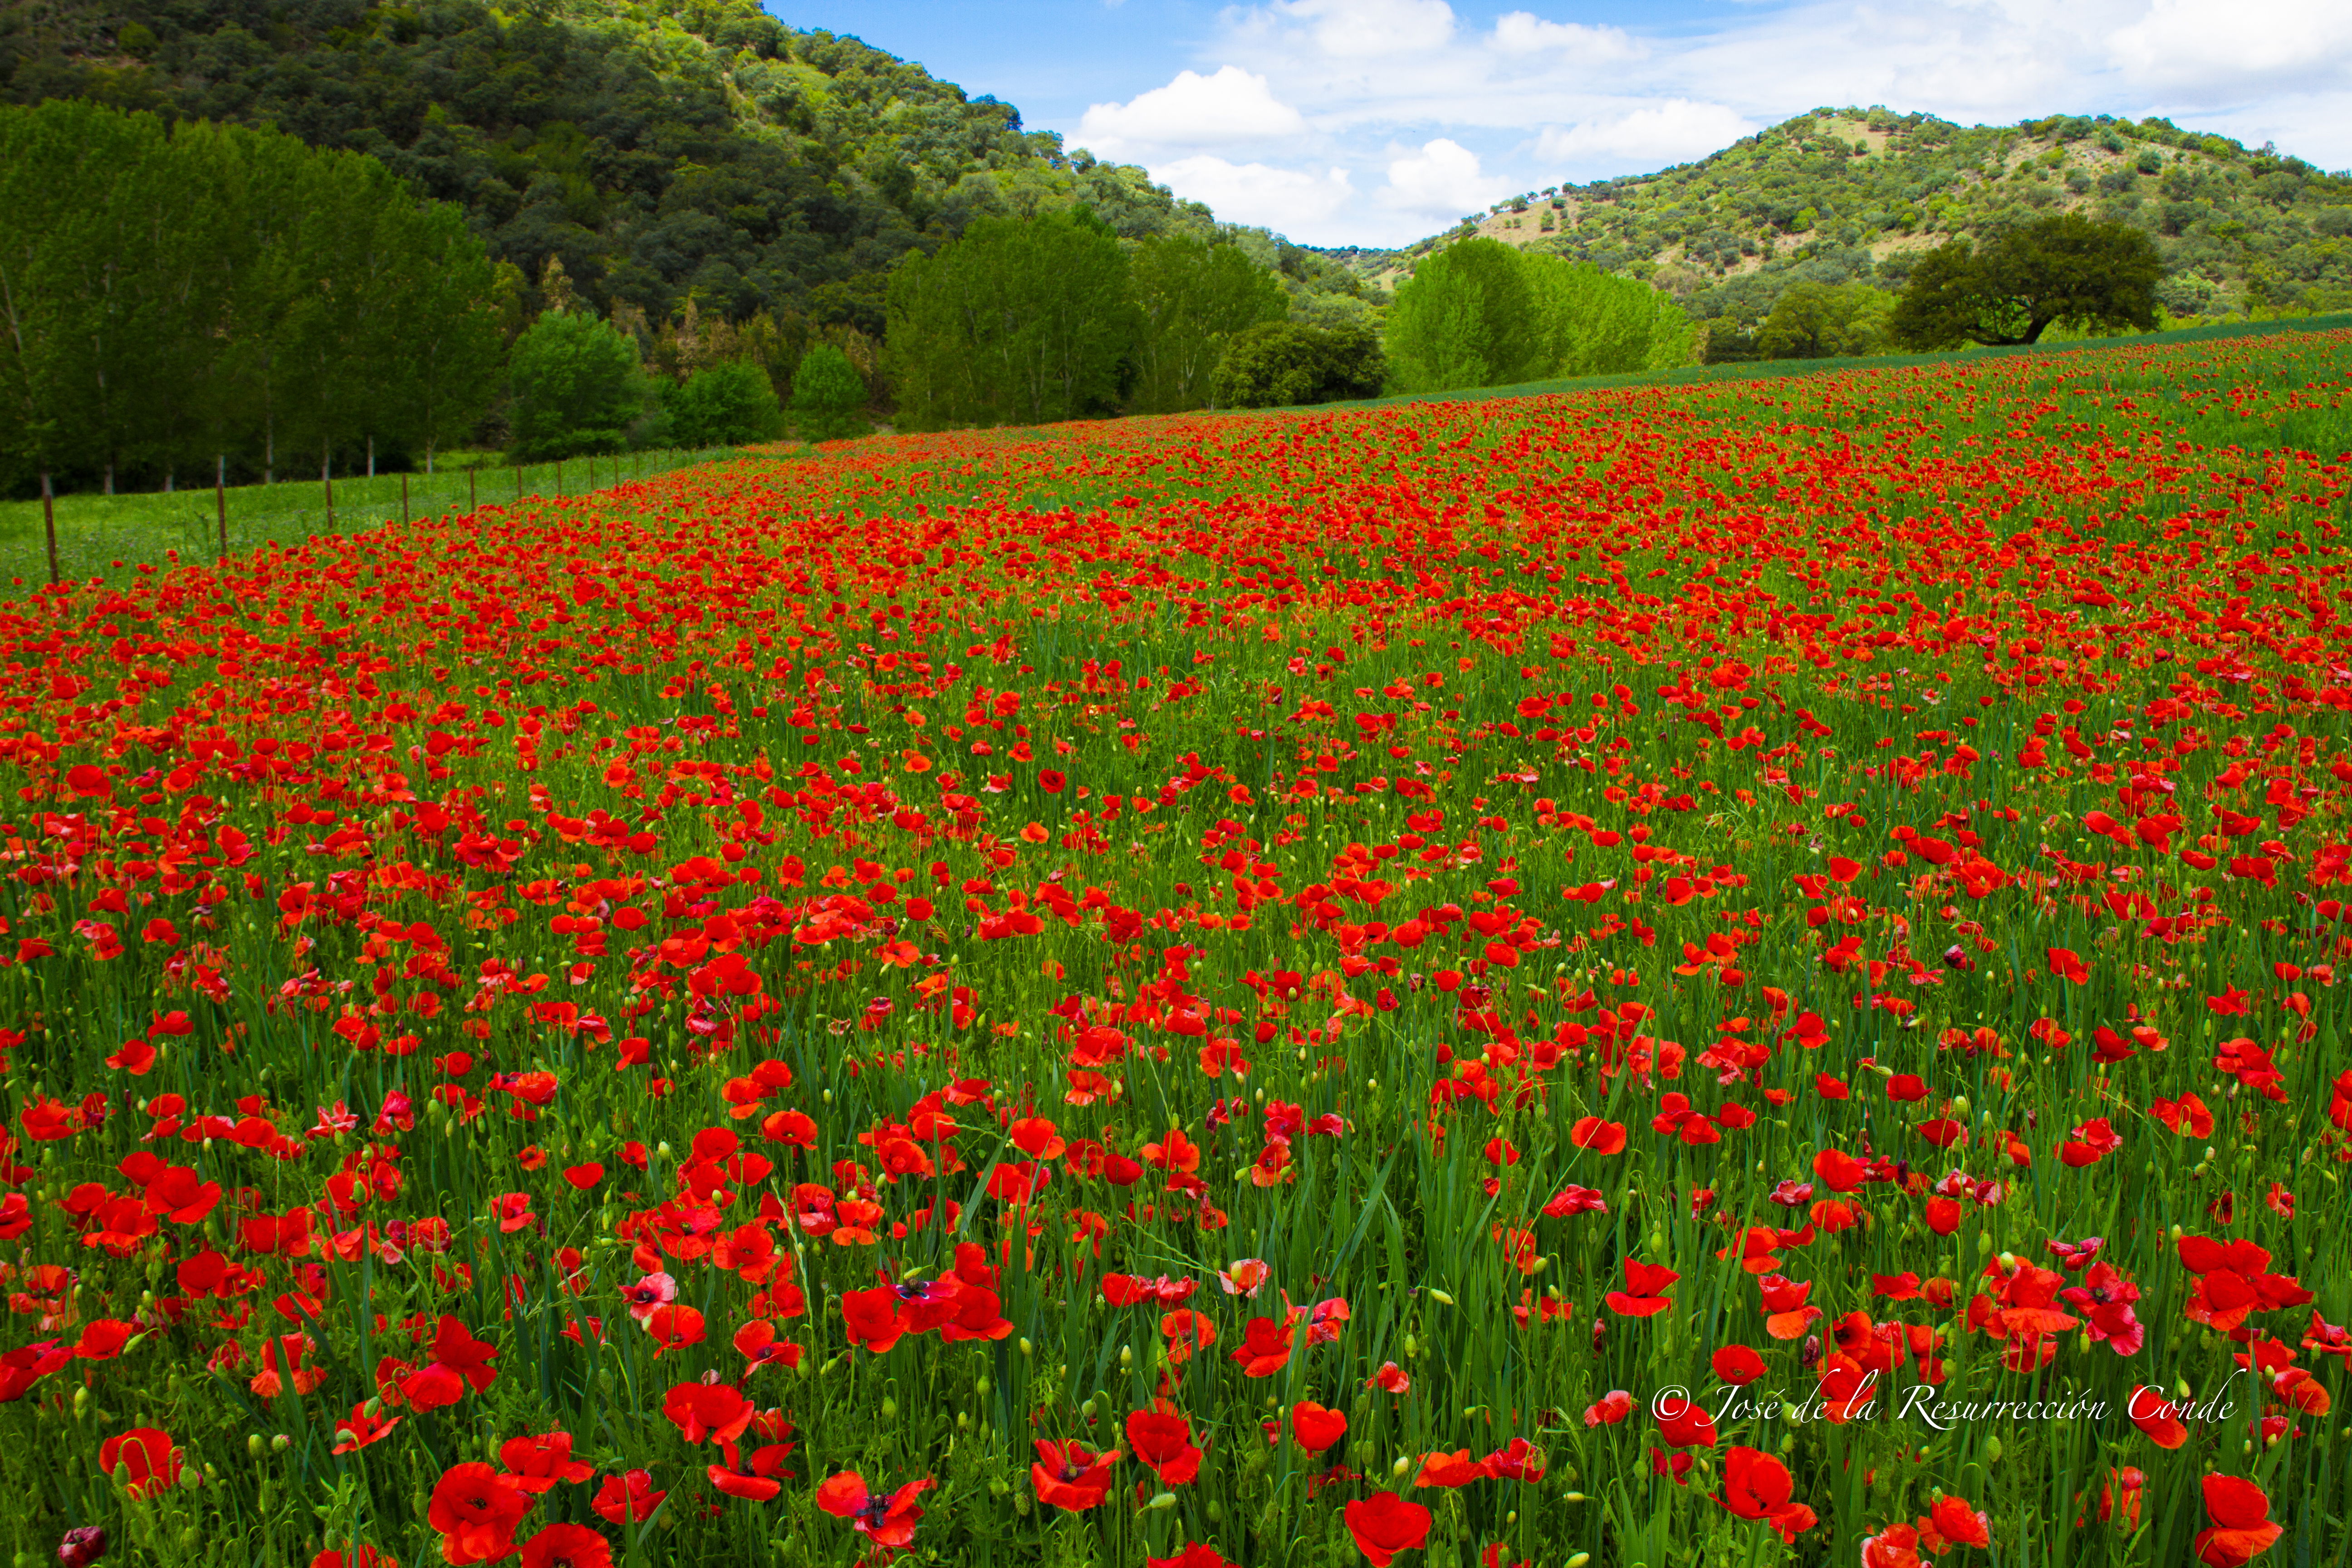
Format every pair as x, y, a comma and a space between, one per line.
1068, 1474
1316, 1427
1600, 1137
1575, 1200
1162, 1440
2241, 1529
1455, 1469
1609, 1409
887, 1519
754, 1489
872, 1316
1683, 1423
538, 1462
144, 1456
627, 1498
567, 1546
1737, 1366
1644, 1294
1955, 1522
1757, 1486
1265, 1349
708, 1410
475, 1510
1196, 1555
361, 1428
1385, 1524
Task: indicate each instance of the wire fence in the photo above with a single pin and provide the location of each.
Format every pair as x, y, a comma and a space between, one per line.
107, 536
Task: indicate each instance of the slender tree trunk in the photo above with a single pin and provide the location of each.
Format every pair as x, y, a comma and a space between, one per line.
109, 476
220, 497
168, 476
428, 460
268, 449
404, 497
49, 522
370, 457
327, 478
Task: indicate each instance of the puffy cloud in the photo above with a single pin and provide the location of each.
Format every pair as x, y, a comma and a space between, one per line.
1290, 201
1460, 113
2236, 44
1361, 30
1439, 183
1525, 33
1193, 110
1668, 133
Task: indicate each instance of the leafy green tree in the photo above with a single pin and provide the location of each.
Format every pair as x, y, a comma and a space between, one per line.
2067, 268
1826, 321
1021, 322
49, 160
726, 405
577, 388
1286, 364
828, 396
1593, 323
1194, 296
443, 339
1466, 317
1483, 313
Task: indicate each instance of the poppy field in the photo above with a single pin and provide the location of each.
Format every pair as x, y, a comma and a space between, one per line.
1728, 974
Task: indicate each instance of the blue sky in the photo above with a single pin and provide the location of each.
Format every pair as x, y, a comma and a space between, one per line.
1377, 122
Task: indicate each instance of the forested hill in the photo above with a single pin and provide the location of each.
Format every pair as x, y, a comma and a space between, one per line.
661, 149
1843, 196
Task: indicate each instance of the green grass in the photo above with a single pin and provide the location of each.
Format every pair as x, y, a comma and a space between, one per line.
1774, 370
102, 535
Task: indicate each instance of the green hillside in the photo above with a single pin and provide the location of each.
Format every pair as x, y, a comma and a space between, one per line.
662, 152
1854, 195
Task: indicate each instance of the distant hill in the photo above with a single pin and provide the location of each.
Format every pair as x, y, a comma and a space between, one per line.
663, 152
1846, 196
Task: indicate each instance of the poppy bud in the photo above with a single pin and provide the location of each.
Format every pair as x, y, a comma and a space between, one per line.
1579, 1559
82, 1546
1126, 1357
1401, 1467
1441, 1297
81, 1402
1992, 1451
1028, 1349
1575, 1497
985, 1386
1162, 1501
889, 1408
281, 1442
252, 1445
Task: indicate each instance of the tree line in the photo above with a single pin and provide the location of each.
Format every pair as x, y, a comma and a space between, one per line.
172, 298
1025, 322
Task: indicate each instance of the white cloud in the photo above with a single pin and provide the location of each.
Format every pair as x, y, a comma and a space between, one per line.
1668, 133
1460, 112
1525, 33
2188, 43
1439, 183
1288, 201
1193, 110
1358, 29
